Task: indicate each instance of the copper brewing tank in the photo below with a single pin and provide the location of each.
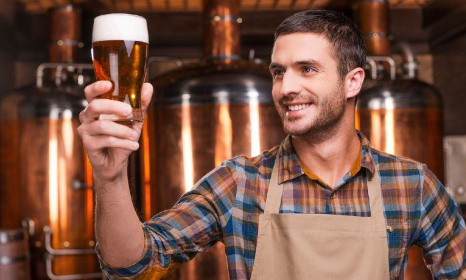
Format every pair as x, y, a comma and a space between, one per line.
399, 116
203, 114
44, 175
404, 117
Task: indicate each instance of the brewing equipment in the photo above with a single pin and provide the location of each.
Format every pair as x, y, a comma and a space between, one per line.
203, 114
14, 255
404, 117
401, 116
45, 177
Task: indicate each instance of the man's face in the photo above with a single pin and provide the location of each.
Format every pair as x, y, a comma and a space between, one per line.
307, 89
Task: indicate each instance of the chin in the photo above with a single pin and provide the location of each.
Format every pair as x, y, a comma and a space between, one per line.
295, 129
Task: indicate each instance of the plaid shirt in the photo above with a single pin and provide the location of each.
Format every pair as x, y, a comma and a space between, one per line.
225, 206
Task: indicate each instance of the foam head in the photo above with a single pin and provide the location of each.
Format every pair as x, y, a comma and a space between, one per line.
120, 27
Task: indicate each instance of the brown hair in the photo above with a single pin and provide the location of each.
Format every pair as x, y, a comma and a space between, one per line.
342, 33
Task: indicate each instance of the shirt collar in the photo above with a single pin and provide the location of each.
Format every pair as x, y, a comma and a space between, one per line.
367, 160
290, 167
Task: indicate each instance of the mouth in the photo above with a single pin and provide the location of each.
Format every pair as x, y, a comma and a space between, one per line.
297, 107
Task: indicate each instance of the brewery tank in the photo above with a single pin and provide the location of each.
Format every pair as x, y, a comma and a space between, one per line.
404, 117
401, 116
45, 177
203, 114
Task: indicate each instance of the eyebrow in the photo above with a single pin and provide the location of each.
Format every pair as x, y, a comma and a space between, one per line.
312, 62
274, 65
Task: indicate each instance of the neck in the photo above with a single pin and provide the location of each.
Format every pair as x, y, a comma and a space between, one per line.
330, 155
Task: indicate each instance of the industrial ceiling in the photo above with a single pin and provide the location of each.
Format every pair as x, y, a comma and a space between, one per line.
137, 6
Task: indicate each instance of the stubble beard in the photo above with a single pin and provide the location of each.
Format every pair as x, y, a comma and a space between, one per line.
325, 122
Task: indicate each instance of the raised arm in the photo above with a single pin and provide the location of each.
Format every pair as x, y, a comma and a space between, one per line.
127, 248
108, 144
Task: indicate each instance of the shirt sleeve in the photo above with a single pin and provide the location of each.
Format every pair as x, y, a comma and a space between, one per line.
442, 233
193, 225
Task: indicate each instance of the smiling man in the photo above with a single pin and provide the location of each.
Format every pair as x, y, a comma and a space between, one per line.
322, 205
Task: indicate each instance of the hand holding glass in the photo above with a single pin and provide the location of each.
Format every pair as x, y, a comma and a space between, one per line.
119, 54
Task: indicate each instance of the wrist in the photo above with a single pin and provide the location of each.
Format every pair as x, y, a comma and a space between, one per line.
111, 185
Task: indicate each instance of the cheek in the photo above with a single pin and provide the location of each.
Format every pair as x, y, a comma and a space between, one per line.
316, 86
276, 91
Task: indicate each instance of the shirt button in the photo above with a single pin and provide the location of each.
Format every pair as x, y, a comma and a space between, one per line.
390, 229
332, 196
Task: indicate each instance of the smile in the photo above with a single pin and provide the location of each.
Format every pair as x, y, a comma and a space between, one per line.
297, 107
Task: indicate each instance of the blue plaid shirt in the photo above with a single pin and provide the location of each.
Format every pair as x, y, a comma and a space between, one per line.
225, 205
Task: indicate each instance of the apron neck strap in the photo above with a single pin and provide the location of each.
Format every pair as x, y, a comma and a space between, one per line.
275, 192
375, 194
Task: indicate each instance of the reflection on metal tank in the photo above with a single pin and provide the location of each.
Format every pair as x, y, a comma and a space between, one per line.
49, 160
45, 177
404, 117
203, 114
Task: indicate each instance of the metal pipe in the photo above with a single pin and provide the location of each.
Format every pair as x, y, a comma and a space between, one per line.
59, 68
374, 24
52, 276
387, 59
373, 67
62, 252
65, 33
410, 64
221, 30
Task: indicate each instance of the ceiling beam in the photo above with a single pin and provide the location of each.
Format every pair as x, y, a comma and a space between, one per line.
445, 20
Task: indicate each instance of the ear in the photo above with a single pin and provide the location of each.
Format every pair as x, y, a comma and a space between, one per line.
353, 82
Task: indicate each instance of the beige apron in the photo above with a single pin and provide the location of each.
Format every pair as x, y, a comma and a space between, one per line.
320, 246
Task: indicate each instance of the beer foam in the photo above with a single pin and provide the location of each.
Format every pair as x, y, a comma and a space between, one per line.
120, 27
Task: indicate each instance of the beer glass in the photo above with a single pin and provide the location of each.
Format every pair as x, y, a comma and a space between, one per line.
119, 54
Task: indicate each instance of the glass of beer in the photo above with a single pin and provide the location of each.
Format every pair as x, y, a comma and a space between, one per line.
119, 53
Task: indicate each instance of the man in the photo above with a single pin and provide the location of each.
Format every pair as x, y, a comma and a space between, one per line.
322, 205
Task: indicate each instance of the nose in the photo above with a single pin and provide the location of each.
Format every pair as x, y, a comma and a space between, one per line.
290, 84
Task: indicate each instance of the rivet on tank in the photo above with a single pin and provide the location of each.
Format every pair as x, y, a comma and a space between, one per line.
399, 114
203, 114
45, 179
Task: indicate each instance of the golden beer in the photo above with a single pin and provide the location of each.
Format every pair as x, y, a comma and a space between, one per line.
119, 54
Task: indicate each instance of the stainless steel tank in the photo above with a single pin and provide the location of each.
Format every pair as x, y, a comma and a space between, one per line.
203, 114
45, 181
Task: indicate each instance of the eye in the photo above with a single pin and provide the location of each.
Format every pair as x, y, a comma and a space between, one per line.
308, 69
277, 73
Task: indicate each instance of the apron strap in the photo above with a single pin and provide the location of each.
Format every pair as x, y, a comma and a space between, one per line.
375, 195
275, 190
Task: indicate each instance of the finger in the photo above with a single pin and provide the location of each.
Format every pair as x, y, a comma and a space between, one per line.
98, 107
146, 95
93, 90
95, 144
109, 128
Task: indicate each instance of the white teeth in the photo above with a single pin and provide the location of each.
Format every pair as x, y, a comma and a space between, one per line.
297, 107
